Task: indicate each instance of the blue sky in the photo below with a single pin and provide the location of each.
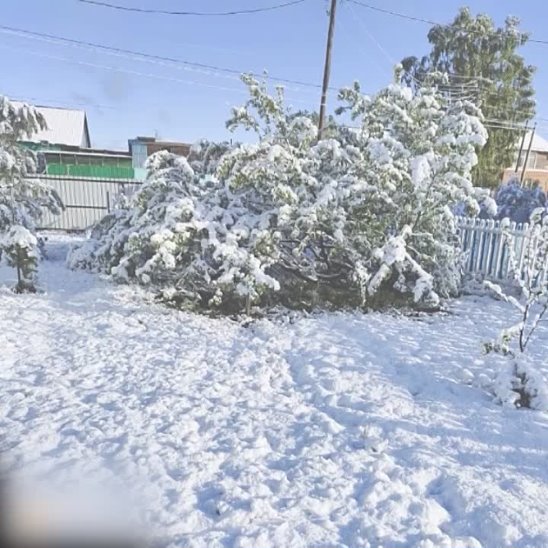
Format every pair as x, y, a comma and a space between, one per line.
126, 97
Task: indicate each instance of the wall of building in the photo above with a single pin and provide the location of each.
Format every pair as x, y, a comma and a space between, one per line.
89, 165
531, 177
180, 149
64, 160
81, 170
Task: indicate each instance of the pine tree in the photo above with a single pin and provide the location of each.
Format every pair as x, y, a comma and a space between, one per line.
22, 198
483, 64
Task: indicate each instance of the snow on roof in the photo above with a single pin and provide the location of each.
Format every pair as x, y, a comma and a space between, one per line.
539, 143
65, 127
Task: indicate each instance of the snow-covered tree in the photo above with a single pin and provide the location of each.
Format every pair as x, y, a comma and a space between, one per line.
519, 384
295, 220
419, 151
22, 198
483, 62
184, 234
21, 251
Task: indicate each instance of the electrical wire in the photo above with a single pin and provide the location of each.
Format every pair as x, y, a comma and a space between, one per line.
460, 91
239, 90
248, 11
58, 103
208, 72
370, 35
394, 13
144, 55
422, 20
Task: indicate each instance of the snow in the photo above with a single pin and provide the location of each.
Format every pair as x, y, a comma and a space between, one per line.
64, 126
329, 430
19, 236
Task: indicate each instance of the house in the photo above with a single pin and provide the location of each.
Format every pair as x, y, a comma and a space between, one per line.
64, 148
65, 126
141, 148
536, 170
71, 161
89, 181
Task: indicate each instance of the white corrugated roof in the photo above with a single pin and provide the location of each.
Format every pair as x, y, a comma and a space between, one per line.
539, 143
65, 127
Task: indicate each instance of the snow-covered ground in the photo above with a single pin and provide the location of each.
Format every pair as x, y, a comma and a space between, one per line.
333, 430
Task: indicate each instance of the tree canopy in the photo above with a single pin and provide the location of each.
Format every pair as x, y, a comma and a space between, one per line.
362, 216
23, 198
482, 64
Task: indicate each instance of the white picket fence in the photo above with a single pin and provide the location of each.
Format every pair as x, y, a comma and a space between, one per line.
486, 250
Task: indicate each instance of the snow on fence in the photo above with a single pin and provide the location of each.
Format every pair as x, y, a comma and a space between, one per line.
485, 248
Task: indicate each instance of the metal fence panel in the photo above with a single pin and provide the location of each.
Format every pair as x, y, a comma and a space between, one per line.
86, 200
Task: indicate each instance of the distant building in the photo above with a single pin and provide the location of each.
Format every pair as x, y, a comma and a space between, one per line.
70, 161
65, 127
141, 148
536, 170
89, 181
65, 149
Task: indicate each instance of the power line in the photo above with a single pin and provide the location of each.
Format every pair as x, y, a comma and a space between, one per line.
122, 51
467, 81
249, 11
421, 20
58, 103
208, 72
378, 44
394, 13
391, 60
459, 90
131, 72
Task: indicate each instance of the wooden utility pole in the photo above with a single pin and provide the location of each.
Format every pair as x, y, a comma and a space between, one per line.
527, 155
521, 146
327, 66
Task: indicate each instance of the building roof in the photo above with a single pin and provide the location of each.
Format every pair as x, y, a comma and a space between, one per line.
539, 143
65, 126
155, 141
82, 151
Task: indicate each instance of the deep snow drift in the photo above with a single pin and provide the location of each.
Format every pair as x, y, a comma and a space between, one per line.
334, 430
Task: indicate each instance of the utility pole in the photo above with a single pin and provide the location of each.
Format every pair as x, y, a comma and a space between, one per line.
522, 145
527, 155
327, 66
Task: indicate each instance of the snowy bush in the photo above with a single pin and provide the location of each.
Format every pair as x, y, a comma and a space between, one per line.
22, 199
21, 251
419, 152
184, 234
519, 384
516, 202
358, 217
